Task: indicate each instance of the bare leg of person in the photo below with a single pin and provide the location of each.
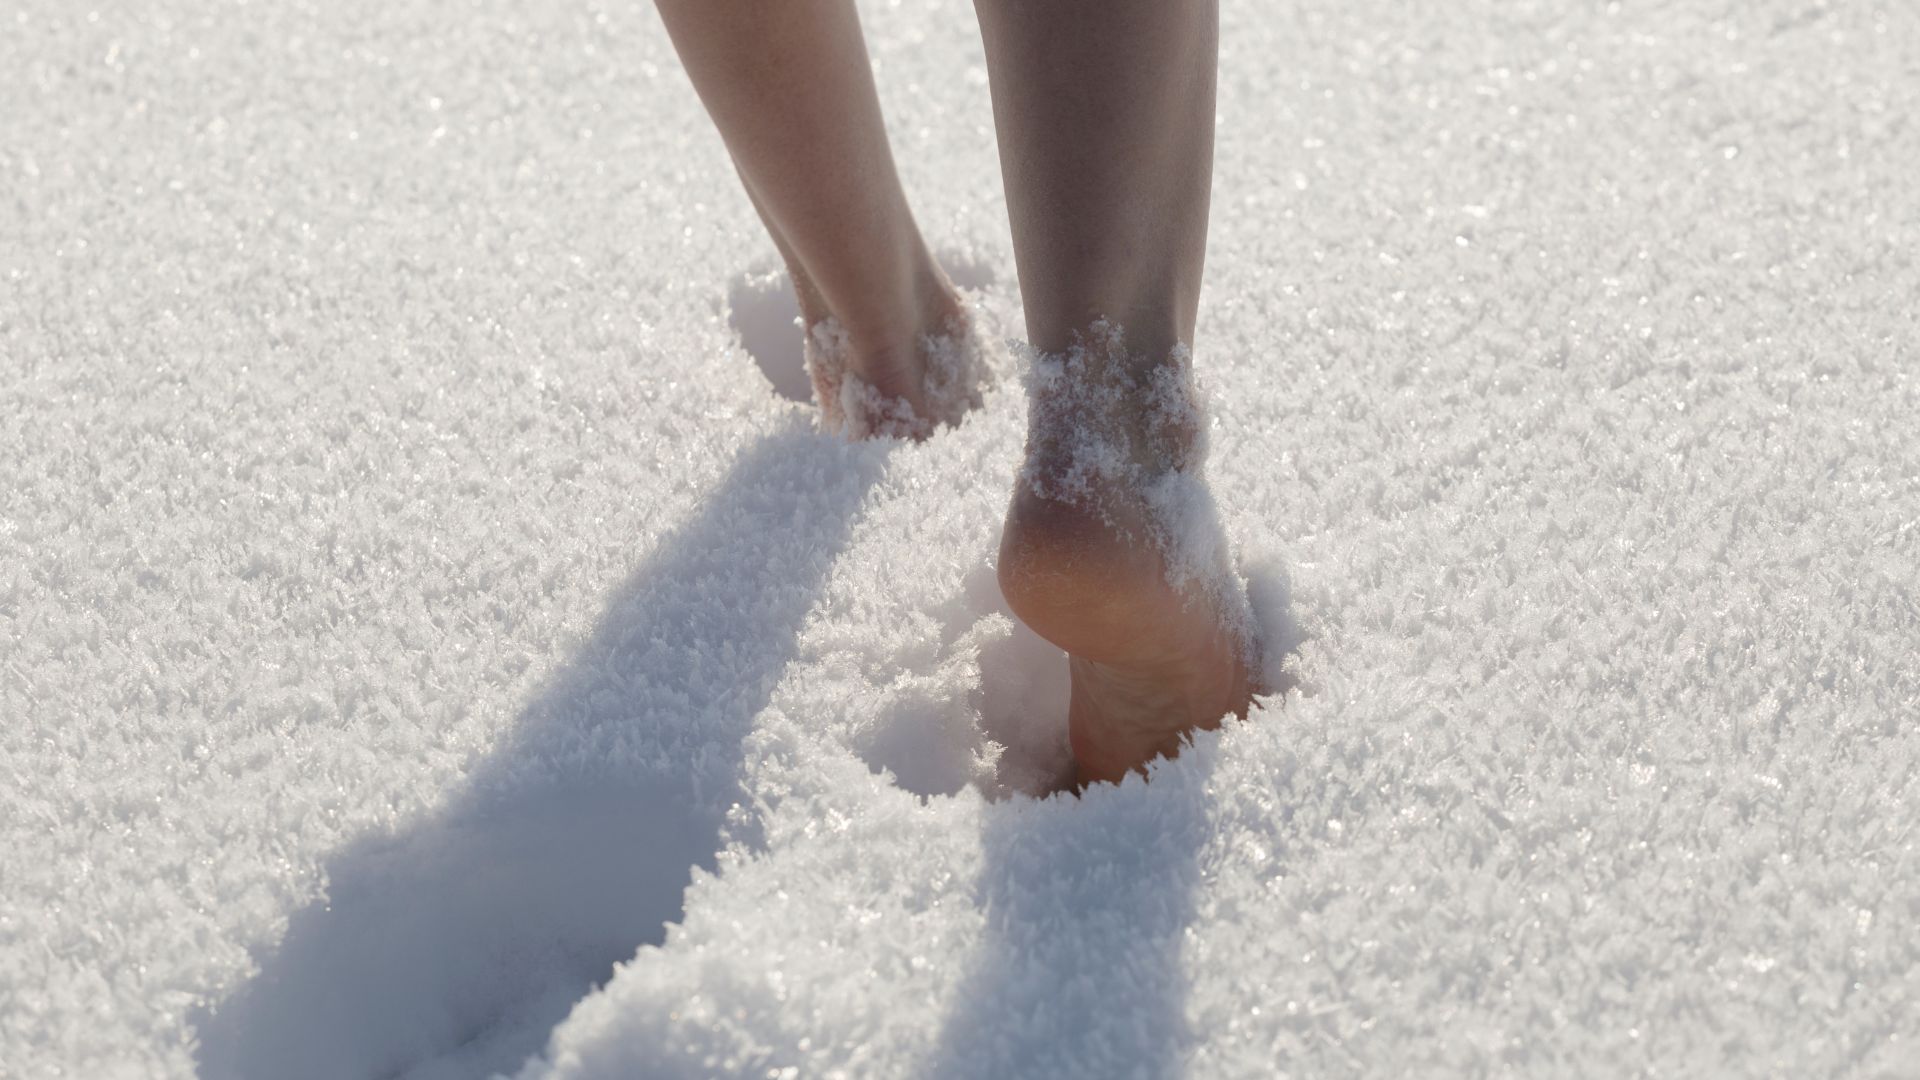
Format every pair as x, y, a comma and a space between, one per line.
1104, 110
789, 87
806, 295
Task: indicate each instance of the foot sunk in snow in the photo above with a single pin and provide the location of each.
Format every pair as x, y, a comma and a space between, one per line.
1114, 551
958, 364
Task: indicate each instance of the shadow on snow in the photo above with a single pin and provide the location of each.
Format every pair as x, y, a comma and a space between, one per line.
453, 948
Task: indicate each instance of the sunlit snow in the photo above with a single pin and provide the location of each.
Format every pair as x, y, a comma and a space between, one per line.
436, 638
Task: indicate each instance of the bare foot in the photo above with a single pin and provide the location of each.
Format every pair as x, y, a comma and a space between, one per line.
899, 384
1112, 552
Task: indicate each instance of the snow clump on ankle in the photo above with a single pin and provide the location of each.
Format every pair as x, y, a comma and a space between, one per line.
1126, 435
960, 364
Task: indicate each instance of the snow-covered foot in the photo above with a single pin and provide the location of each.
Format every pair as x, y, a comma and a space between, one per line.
1112, 551
903, 392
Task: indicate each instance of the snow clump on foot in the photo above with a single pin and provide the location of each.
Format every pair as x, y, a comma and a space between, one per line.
1125, 436
960, 364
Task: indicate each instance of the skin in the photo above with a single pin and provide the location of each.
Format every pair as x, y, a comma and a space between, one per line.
1104, 113
789, 87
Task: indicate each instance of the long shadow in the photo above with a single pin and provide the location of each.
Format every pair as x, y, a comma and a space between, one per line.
1087, 902
453, 948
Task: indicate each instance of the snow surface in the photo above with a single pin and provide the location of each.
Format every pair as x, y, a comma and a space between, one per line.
408, 581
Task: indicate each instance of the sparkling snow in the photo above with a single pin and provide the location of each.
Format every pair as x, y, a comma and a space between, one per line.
415, 568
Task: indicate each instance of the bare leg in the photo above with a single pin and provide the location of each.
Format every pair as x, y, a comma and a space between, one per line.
789, 87
813, 306
1104, 110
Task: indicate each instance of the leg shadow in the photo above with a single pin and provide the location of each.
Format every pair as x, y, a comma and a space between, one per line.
453, 948
1087, 902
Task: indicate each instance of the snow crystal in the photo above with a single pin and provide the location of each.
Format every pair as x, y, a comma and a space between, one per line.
960, 363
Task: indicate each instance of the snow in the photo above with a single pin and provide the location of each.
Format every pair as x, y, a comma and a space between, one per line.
429, 646
961, 362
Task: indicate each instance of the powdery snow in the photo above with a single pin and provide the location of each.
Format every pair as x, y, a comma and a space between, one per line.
409, 581
961, 362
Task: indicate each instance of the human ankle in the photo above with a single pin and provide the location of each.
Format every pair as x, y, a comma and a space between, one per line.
901, 374
1106, 418
925, 307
